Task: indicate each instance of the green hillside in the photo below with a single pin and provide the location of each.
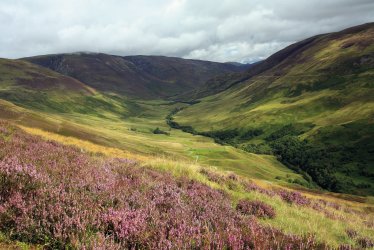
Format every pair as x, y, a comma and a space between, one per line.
36, 97
310, 104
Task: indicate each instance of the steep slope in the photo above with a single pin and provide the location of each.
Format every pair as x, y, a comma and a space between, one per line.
32, 86
279, 62
34, 93
20, 73
321, 90
137, 76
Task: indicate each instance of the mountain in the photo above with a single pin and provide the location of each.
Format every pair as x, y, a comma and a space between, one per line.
311, 104
136, 76
30, 85
218, 83
35, 96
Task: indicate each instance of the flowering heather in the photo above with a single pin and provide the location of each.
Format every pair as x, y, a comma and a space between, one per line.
212, 176
256, 208
351, 233
293, 197
250, 187
365, 242
58, 197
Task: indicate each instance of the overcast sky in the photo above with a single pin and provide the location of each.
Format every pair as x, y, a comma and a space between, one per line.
217, 30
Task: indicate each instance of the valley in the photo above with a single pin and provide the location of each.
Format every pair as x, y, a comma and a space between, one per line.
281, 150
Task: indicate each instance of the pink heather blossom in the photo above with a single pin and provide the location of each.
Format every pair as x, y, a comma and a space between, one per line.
57, 196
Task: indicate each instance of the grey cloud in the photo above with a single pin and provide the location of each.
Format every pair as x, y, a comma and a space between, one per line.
225, 30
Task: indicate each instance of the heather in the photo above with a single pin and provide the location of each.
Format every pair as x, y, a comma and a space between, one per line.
256, 208
59, 197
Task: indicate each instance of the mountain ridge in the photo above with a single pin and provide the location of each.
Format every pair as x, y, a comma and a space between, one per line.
222, 83
138, 76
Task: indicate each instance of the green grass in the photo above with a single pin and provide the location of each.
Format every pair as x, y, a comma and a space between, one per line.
133, 132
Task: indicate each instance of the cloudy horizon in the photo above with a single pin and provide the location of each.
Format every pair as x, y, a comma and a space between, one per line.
235, 30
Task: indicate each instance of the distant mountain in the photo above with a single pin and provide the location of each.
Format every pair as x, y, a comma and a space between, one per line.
311, 104
218, 83
136, 76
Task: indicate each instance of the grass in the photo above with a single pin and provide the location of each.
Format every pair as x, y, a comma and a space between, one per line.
289, 217
183, 154
118, 122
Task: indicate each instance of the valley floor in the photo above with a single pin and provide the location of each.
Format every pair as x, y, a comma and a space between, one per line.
198, 158
134, 134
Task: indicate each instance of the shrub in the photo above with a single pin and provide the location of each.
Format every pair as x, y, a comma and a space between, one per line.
256, 208
214, 177
261, 148
158, 131
293, 197
365, 242
351, 233
249, 187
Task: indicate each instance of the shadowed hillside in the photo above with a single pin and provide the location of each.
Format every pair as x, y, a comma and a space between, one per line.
137, 76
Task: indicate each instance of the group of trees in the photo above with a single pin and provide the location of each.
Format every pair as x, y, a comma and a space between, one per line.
307, 159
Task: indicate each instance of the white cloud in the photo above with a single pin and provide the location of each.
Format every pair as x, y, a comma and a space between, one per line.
225, 30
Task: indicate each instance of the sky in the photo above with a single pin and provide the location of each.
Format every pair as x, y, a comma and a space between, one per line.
215, 30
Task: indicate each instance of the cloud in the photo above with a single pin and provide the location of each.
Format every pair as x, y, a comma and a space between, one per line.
225, 30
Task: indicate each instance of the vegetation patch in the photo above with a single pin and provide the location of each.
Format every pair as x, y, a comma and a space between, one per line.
256, 208
58, 197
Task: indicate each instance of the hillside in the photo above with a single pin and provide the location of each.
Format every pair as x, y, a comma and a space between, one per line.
68, 107
310, 104
57, 196
136, 76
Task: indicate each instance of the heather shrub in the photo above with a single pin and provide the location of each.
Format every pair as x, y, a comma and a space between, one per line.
365, 242
252, 187
351, 233
214, 177
256, 208
293, 197
345, 247
61, 198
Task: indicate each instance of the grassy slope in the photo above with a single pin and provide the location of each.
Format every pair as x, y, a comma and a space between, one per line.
134, 134
328, 224
328, 85
119, 122
109, 120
